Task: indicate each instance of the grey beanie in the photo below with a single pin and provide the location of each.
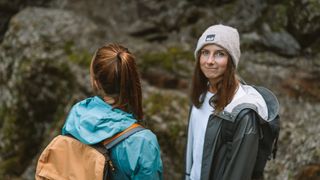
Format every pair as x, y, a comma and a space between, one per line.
224, 36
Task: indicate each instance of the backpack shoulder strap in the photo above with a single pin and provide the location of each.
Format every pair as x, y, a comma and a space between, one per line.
107, 144
111, 142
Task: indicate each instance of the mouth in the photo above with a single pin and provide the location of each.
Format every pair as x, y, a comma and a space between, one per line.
212, 68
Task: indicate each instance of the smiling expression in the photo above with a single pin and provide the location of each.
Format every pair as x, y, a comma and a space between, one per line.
213, 61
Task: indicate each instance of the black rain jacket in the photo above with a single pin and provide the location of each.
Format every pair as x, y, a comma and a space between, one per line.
233, 159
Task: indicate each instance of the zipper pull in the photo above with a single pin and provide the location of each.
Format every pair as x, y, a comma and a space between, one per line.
111, 165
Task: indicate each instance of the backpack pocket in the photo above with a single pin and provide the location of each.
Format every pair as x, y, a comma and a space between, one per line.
66, 158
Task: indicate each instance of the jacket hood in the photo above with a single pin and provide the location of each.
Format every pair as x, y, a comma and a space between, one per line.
271, 101
259, 99
92, 120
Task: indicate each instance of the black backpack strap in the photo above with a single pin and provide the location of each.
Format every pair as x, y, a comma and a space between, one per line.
275, 147
276, 132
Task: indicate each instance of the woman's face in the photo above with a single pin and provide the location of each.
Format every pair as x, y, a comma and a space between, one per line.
213, 61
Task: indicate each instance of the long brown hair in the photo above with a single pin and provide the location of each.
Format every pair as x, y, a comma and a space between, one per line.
226, 88
114, 73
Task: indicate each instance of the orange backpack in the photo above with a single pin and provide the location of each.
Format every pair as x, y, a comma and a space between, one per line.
66, 158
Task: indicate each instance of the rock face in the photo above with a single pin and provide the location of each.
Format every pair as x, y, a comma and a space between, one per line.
10, 8
45, 54
294, 81
38, 78
301, 16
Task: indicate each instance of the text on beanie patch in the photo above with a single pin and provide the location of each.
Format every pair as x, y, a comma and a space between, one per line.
210, 37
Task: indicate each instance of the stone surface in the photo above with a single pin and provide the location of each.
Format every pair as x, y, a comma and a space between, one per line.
45, 53
303, 20
280, 42
39, 76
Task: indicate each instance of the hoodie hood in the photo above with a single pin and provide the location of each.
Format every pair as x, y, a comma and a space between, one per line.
259, 99
92, 120
248, 95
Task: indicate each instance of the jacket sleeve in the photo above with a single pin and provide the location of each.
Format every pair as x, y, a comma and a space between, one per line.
243, 149
150, 164
138, 157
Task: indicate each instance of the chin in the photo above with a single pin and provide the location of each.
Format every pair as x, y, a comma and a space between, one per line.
213, 77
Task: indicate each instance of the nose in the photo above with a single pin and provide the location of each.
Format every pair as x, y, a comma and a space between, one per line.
211, 59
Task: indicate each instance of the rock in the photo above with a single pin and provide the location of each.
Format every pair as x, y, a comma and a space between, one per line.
163, 79
304, 21
141, 28
246, 14
281, 42
250, 41
275, 16
58, 44
9, 8
296, 78
41, 61
309, 172
166, 112
295, 82
169, 69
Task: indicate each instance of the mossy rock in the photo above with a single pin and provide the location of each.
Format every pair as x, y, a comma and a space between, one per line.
166, 114
76, 56
38, 89
167, 69
276, 17
42, 58
304, 20
174, 60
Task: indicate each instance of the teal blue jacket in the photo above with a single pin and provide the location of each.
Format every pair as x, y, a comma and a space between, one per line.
137, 157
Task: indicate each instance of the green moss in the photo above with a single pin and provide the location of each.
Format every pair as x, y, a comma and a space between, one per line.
157, 102
6, 166
276, 17
291, 175
173, 59
175, 130
68, 47
2, 114
39, 102
314, 5
80, 57
83, 58
172, 109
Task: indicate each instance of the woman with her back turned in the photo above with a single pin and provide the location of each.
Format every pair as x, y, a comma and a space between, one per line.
117, 106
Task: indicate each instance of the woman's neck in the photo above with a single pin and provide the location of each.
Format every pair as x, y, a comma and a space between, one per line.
212, 89
108, 99
213, 84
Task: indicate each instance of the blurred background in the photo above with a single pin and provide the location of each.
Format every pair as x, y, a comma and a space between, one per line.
46, 47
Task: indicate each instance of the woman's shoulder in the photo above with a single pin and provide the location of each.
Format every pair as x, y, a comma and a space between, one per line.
143, 137
248, 97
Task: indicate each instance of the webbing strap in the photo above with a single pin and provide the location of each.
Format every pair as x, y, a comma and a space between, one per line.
110, 142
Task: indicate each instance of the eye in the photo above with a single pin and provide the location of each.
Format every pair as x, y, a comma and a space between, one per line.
220, 54
205, 52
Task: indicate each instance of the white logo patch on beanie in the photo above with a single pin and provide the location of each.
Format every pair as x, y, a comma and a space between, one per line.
210, 37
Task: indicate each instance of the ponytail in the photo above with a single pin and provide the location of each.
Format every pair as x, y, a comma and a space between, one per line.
114, 70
